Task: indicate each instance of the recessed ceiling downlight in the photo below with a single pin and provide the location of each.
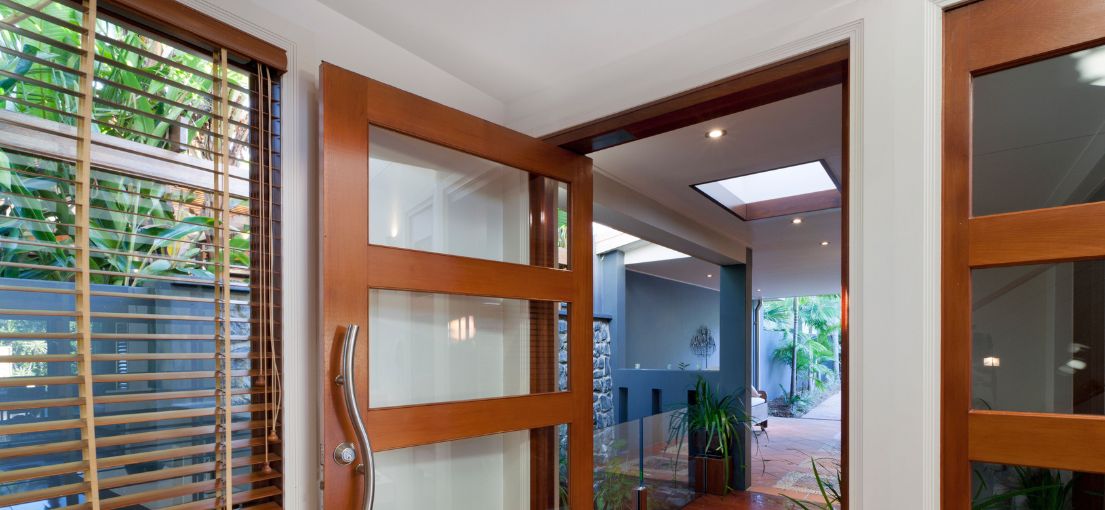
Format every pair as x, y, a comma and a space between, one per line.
715, 133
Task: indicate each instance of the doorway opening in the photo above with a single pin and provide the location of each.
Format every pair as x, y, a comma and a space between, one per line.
759, 161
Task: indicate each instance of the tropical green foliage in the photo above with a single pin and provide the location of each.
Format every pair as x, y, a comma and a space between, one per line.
614, 484
140, 227
1032, 489
24, 347
798, 403
720, 418
818, 328
145, 91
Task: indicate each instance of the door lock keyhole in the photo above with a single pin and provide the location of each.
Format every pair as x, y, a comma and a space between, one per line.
345, 454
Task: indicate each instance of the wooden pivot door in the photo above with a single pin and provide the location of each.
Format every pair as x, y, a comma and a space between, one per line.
461, 252
1023, 341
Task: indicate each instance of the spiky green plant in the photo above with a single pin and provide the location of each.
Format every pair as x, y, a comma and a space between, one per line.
831, 497
721, 418
1039, 489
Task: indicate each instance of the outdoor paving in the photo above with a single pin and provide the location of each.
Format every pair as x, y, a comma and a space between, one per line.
781, 459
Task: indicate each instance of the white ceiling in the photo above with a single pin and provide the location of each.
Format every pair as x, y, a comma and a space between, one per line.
534, 43
788, 259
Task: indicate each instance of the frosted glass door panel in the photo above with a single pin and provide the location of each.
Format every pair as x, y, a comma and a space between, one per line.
427, 197
486, 473
429, 348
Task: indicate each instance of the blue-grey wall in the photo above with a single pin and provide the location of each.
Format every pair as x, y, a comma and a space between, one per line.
661, 318
639, 384
771, 374
609, 300
656, 312
736, 352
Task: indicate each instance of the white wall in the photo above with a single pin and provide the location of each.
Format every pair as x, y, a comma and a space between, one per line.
895, 238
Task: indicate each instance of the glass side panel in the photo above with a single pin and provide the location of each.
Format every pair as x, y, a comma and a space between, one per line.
1004, 487
1039, 338
426, 348
1036, 138
496, 472
652, 452
427, 197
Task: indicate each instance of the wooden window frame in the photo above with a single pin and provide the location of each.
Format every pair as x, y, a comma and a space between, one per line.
981, 38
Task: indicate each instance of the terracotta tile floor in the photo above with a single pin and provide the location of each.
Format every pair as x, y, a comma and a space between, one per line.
739, 501
781, 459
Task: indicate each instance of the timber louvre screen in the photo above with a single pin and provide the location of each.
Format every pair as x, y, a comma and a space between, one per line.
139, 266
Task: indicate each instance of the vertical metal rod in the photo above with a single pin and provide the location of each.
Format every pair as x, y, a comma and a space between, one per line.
349, 390
641, 452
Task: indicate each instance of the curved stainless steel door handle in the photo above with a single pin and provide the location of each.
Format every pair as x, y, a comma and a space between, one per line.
349, 388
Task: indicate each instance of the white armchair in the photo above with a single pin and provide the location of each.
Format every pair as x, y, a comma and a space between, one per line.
759, 407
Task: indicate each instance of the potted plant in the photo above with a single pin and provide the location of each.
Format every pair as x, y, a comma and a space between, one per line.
713, 424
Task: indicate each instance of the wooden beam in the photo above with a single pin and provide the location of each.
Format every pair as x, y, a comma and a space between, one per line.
807, 73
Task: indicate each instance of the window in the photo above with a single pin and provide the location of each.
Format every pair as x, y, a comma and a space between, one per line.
139, 261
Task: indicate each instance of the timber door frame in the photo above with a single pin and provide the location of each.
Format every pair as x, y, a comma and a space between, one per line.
981, 38
350, 266
814, 70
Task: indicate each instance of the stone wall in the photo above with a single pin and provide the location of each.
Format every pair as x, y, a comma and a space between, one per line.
602, 370
602, 380
602, 383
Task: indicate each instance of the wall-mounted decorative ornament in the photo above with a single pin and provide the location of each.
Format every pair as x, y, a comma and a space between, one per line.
703, 344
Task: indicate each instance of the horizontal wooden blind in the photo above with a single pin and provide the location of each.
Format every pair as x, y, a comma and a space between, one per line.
139, 266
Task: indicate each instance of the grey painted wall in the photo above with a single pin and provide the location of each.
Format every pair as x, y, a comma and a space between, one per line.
771, 374
609, 288
662, 316
639, 385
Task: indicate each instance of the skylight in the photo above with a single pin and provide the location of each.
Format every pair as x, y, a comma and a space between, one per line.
608, 239
784, 182
793, 189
